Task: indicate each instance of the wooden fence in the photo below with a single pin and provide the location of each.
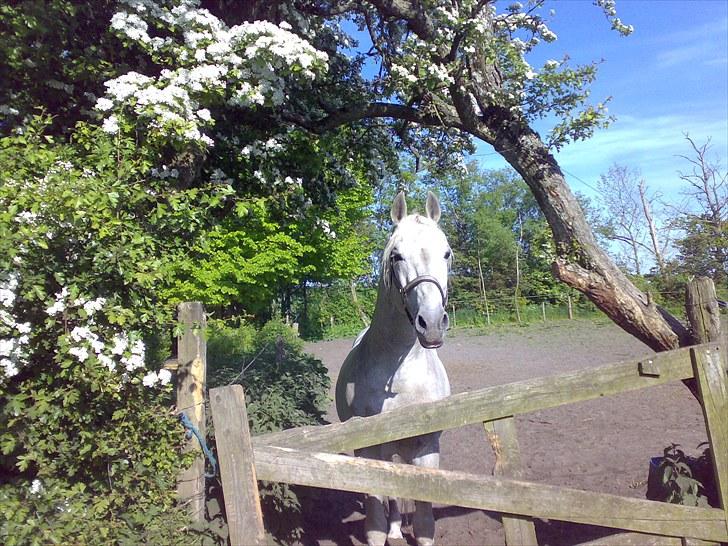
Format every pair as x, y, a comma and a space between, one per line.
310, 456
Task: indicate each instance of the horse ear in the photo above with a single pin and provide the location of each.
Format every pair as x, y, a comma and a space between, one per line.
399, 208
432, 207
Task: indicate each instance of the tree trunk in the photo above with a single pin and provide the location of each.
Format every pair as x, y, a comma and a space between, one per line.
355, 301
581, 263
647, 209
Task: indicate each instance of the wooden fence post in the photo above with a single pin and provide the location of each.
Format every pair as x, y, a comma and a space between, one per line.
709, 366
701, 304
519, 530
192, 358
237, 471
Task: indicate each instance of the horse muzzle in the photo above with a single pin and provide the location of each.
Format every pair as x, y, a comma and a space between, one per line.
431, 328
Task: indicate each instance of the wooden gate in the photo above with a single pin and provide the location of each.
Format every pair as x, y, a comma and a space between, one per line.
310, 455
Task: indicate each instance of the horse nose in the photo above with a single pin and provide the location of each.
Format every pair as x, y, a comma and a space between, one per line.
434, 327
422, 323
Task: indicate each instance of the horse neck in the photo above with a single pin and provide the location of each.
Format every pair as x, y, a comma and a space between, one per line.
390, 325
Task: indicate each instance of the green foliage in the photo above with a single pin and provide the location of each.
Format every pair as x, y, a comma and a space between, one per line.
284, 388
55, 513
488, 217
263, 248
86, 237
56, 54
674, 478
330, 312
702, 248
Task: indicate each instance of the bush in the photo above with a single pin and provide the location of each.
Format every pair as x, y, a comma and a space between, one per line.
680, 479
284, 388
89, 451
330, 312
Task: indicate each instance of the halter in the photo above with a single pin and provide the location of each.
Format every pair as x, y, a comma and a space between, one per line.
404, 290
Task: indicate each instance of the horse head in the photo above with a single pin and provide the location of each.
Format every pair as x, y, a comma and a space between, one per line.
417, 259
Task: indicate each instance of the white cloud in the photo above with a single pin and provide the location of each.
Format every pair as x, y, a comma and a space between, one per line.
701, 45
651, 144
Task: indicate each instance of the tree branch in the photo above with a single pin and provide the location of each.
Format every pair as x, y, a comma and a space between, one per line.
375, 110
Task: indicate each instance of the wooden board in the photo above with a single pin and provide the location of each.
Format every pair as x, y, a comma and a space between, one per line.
191, 368
710, 373
503, 438
237, 472
487, 493
487, 404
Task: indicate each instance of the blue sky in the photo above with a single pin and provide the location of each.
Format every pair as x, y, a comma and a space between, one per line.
669, 77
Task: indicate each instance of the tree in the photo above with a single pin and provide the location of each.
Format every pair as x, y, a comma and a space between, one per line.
86, 237
704, 217
628, 218
460, 68
447, 72
492, 222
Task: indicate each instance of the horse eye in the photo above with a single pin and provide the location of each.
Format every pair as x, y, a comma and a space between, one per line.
447, 255
396, 257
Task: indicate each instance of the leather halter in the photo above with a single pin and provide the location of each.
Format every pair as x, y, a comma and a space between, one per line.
404, 290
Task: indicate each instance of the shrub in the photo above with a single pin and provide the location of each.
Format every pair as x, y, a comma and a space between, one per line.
284, 388
680, 479
330, 312
89, 452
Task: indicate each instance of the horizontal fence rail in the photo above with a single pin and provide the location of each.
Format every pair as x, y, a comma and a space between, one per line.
304, 456
487, 493
490, 403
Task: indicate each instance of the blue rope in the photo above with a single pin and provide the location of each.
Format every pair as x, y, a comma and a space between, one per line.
192, 429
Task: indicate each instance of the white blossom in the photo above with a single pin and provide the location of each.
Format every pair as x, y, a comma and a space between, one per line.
6, 347
150, 379
104, 104
107, 361
165, 376
93, 306
247, 63
57, 307
111, 125
121, 342
81, 353
23, 327
36, 487
81, 333
9, 367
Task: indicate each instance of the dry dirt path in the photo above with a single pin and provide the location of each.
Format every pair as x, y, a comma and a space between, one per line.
602, 445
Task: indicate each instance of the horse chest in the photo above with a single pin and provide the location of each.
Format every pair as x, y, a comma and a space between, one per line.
385, 388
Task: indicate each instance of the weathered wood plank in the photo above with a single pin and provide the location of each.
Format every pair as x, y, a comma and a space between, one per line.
710, 373
634, 539
191, 359
701, 304
487, 493
503, 438
237, 471
485, 405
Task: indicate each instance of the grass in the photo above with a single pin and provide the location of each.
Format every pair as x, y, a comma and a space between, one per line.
529, 314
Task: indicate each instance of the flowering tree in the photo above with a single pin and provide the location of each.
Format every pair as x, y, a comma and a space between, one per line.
86, 240
447, 72
461, 68
103, 227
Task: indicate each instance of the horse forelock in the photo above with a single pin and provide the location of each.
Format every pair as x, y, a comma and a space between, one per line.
398, 235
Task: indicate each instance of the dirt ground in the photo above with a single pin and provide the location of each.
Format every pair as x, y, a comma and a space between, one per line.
602, 445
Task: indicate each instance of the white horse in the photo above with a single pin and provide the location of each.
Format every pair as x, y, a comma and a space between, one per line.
394, 362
